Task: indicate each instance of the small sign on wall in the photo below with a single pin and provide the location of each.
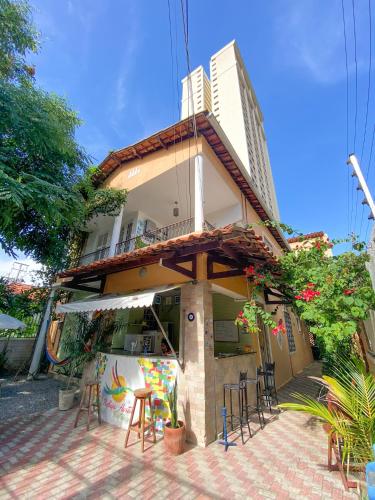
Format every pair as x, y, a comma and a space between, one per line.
226, 331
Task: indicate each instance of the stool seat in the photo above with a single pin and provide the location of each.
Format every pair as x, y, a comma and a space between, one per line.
142, 393
91, 382
92, 388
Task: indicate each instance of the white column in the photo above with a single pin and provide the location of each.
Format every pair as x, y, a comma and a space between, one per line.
198, 193
116, 233
41, 339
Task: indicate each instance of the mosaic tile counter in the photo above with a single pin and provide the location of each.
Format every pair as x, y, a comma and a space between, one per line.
120, 375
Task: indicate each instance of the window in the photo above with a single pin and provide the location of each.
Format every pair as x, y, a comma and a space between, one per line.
289, 332
101, 252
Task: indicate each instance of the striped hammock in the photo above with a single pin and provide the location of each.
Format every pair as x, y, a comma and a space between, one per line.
51, 356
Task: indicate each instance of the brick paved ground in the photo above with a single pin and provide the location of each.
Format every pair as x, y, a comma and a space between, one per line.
43, 457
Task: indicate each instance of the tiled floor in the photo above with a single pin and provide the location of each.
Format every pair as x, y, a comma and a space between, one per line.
44, 457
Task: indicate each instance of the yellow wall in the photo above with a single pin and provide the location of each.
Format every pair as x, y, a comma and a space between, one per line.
288, 365
139, 171
130, 280
156, 275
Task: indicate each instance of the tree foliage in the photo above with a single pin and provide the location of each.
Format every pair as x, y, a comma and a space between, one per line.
18, 36
332, 294
47, 192
23, 306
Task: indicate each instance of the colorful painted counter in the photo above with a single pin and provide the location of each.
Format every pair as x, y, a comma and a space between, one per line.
120, 375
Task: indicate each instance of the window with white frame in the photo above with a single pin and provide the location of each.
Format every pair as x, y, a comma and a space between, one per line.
289, 332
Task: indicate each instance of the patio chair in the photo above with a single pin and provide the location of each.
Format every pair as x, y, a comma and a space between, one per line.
335, 444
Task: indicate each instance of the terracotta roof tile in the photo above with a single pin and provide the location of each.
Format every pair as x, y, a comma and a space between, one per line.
309, 236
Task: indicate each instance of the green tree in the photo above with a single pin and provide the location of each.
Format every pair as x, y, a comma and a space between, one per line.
332, 294
46, 191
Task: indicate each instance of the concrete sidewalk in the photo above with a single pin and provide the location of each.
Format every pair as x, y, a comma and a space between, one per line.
44, 457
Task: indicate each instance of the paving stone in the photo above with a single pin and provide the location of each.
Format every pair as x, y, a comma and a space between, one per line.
42, 457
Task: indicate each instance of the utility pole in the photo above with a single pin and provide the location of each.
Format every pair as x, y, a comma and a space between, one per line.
352, 160
362, 185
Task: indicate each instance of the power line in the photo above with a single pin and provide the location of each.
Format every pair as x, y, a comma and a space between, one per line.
178, 104
347, 112
356, 78
356, 107
369, 79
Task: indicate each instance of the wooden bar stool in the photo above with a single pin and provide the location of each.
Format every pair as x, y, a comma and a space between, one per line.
90, 391
141, 395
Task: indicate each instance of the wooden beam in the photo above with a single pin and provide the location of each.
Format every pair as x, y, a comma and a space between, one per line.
162, 144
174, 265
230, 252
281, 299
211, 274
83, 288
136, 154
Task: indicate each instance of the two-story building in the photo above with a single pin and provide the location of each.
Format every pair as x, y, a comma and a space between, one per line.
171, 264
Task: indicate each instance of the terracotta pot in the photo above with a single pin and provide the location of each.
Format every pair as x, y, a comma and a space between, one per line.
174, 439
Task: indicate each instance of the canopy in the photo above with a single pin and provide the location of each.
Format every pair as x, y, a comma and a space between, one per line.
112, 301
9, 323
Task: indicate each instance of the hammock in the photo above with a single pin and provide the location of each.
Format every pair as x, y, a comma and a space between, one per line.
51, 356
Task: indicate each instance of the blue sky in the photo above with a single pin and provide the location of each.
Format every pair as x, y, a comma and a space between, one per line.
111, 60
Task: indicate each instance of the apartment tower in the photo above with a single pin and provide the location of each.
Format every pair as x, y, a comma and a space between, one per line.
230, 96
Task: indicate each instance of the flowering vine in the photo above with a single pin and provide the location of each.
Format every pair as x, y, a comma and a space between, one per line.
331, 293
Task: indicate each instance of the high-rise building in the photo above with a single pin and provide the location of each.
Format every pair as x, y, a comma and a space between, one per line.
230, 96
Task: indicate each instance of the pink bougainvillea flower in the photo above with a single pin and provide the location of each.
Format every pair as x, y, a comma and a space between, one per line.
279, 328
249, 270
308, 294
349, 291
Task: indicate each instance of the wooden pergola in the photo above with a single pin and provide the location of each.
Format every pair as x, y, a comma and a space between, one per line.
232, 246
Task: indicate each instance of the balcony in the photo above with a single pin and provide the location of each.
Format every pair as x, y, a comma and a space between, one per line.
101, 253
143, 240
161, 234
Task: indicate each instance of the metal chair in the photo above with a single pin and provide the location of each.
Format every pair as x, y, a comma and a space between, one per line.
257, 407
269, 393
242, 417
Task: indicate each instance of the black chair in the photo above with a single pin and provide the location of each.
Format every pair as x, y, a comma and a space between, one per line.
257, 407
269, 392
242, 417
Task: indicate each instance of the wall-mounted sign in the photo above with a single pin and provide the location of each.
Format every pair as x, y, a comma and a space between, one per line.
226, 331
191, 317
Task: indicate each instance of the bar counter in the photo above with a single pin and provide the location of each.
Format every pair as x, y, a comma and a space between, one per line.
120, 373
227, 371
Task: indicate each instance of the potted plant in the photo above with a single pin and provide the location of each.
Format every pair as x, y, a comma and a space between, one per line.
174, 431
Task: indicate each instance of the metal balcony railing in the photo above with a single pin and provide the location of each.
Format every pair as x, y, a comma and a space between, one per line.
143, 240
161, 234
101, 253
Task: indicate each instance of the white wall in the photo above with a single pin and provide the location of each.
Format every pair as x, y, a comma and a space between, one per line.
225, 216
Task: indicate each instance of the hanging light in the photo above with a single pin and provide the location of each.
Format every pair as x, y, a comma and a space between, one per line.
176, 210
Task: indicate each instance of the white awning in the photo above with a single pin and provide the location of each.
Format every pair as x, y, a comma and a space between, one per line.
112, 301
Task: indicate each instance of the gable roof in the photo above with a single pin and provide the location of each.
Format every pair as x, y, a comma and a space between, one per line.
210, 129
